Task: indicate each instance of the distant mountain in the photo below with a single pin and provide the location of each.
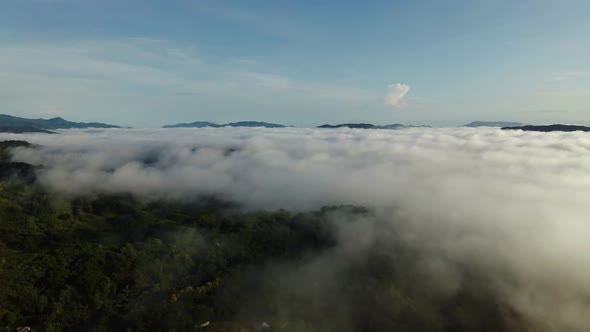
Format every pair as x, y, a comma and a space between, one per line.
476, 124
23, 129
254, 124
370, 126
549, 128
53, 123
198, 124
202, 124
402, 126
350, 125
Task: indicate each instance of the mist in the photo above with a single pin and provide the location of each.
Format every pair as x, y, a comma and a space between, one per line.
509, 205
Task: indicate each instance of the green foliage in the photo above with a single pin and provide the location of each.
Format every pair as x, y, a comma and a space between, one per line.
6, 146
14, 170
116, 264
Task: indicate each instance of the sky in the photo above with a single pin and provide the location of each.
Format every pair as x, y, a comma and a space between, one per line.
301, 63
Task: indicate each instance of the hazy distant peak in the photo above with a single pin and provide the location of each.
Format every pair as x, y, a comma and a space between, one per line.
493, 124
202, 124
196, 124
254, 124
368, 126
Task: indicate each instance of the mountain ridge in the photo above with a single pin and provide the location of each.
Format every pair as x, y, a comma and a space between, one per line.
370, 126
550, 128
203, 124
10, 121
475, 124
196, 124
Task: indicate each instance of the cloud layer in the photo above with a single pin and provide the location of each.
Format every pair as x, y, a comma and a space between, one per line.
511, 204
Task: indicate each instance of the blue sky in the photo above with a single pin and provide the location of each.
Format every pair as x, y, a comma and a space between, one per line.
302, 63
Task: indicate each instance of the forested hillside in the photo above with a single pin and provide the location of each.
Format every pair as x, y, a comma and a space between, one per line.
113, 263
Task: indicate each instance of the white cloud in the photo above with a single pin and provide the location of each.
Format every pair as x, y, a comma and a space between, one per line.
510, 204
395, 94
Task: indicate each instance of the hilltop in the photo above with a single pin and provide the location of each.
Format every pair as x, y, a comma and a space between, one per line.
5, 146
550, 128
10, 169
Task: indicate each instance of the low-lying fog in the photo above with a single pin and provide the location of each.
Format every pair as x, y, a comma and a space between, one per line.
513, 204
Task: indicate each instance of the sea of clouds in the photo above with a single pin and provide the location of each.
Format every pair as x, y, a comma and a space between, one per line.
514, 204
